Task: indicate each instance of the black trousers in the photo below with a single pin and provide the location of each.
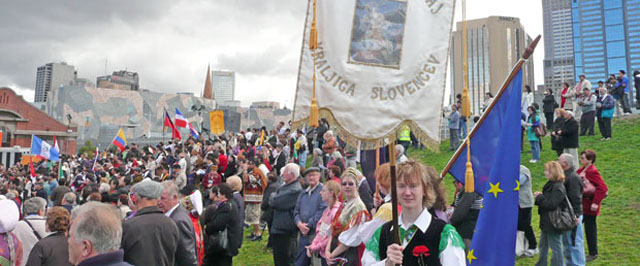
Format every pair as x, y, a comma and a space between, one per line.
624, 99
285, 247
600, 123
586, 122
524, 224
217, 260
591, 233
606, 127
549, 118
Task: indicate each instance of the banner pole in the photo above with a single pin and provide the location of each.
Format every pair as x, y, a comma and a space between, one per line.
394, 193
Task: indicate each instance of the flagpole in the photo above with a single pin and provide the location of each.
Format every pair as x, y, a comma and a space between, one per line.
163, 126
394, 193
466, 105
514, 71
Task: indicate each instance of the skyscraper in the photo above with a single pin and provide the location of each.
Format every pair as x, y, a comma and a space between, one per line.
224, 83
494, 45
558, 43
52, 75
606, 37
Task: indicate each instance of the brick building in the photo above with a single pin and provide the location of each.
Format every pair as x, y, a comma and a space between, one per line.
19, 120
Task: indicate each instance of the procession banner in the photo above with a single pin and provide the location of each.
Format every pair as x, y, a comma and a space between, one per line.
216, 121
380, 64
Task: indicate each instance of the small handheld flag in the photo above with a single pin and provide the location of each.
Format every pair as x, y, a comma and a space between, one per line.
193, 131
168, 123
181, 121
119, 141
43, 149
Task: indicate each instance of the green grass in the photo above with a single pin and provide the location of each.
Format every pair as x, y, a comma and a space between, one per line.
619, 223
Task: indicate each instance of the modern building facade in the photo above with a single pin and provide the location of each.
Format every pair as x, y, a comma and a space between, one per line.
558, 44
606, 37
494, 45
121, 80
52, 75
224, 83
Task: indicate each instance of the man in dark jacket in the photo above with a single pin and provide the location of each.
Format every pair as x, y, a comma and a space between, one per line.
267, 211
95, 235
169, 204
573, 241
569, 134
150, 237
284, 231
308, 212
636, 83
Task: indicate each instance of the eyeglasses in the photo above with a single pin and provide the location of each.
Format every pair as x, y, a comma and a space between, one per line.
348, 184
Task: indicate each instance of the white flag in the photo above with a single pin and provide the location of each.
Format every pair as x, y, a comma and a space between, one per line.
379, 64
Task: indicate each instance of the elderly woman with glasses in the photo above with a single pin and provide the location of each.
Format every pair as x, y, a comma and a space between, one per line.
345, 239
52, 250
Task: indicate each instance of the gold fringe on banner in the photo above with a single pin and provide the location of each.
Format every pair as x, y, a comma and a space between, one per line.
370, 144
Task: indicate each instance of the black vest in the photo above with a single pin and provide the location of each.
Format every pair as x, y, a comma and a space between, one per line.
430, 239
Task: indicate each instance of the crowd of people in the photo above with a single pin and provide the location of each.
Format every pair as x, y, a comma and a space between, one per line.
189, 202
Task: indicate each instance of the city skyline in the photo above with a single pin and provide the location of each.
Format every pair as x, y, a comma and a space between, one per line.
169, 44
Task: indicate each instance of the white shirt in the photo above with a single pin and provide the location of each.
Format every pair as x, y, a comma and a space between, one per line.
168, 214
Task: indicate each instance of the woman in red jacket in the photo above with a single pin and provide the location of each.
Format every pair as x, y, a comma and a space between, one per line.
595, 190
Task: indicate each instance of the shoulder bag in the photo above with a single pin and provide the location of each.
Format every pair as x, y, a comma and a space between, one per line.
564, 219
540, 130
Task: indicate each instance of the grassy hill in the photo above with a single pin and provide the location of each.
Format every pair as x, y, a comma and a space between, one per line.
619, 223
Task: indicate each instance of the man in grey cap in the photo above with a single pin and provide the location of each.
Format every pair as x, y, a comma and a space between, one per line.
149, 237
308, 212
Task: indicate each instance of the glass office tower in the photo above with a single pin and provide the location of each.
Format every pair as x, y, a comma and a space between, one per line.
606, 37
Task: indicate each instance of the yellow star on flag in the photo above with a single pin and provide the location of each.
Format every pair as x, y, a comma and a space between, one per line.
517, 186
470, 256
495, 189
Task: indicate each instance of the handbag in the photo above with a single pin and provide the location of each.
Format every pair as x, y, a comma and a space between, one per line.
220, 241
589, 189
564, 219
540, 130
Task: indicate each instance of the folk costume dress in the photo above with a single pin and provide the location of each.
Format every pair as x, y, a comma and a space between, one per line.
428, 241
370, 228
253, 193
345, 229
323, 229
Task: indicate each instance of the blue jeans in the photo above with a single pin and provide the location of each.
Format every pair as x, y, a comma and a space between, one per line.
535, 149
302, 158
574, 254
550, 239
301, 257
463, 129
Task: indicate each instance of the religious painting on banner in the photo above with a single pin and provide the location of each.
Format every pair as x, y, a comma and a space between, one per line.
216, 120
379, 65
377, 32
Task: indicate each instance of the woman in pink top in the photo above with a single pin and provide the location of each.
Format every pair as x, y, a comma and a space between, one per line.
330, 194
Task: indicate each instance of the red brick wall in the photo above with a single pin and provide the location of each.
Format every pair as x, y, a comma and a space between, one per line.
37, 120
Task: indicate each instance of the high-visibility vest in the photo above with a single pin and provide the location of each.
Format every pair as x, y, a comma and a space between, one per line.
405, 134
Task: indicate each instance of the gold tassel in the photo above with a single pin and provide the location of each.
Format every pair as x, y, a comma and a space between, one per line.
313, 38
469, 185
313, 44
313, 114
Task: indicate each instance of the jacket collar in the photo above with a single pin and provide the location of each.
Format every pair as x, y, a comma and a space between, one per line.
108, 258
147, 210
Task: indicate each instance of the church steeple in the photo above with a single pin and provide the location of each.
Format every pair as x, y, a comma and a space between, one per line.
208, 92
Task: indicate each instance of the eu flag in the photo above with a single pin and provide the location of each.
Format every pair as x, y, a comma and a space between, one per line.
495, 155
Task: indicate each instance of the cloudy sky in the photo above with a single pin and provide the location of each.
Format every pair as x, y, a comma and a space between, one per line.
169, 43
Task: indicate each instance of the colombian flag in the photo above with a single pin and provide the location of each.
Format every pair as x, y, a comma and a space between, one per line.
120, 141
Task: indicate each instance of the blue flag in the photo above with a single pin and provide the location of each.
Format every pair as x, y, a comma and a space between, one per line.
43, 149
495, 155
